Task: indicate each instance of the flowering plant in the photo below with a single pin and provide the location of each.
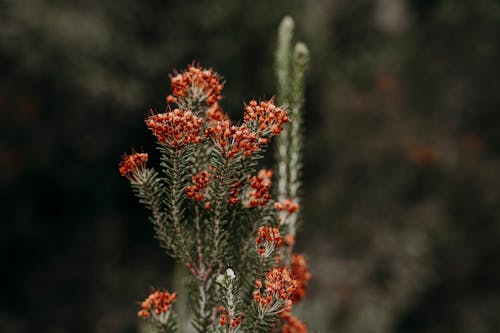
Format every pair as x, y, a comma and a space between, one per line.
213, 209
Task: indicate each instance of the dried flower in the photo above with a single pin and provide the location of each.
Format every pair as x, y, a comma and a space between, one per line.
176, 128
132, 164
196, 85
157, 305
265, 117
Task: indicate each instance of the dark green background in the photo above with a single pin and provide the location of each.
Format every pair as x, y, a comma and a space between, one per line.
402, 185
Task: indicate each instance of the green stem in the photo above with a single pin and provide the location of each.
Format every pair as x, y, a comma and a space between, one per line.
175, 205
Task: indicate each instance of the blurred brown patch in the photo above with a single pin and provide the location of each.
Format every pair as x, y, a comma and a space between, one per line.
423, 156
27, 107
386, 83
472, 144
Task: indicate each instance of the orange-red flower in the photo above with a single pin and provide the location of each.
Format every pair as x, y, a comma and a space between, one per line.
232, 139
176, 128
196, 85
289, 240
278, 288
131, 164
223, 319
157, 305
268, 239
215, 113
301, 274
288, 205
200, 181
235, 322
233, 192
260, 184
265, 117
279, 282
292, 324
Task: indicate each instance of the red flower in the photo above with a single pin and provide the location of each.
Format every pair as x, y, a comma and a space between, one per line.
215, 113
233, 140
268, 239
292, 324
176, 128
196, 85
288, 205
233, 193
278, 287
301, 274
265, 117
260, 184
131, 164
200, 180
157, 304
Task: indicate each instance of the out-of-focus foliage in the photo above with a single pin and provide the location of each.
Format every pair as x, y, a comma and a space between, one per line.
402, 156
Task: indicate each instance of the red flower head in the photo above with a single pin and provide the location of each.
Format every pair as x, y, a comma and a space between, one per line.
265, 117
292, 324
260, 184
176, 128
301, 274
200, 181
196, 85
233, 140
215, 113
157, 305
278, 288
288, 205
268, 239
132, 164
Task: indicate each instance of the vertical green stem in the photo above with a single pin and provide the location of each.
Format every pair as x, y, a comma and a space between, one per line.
175, 205
282, 69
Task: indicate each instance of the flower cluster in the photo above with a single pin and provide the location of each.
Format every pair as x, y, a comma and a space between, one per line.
234, 189
157, 305
292, 324
233, 322
197, 85
287, 205
278, 287
268, 117
301, 274
215, 113
200, 181
234, 139
260, 184
132, 163
268, 239
176, 128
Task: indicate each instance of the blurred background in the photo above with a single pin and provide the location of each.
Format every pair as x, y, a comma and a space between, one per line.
402, 155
